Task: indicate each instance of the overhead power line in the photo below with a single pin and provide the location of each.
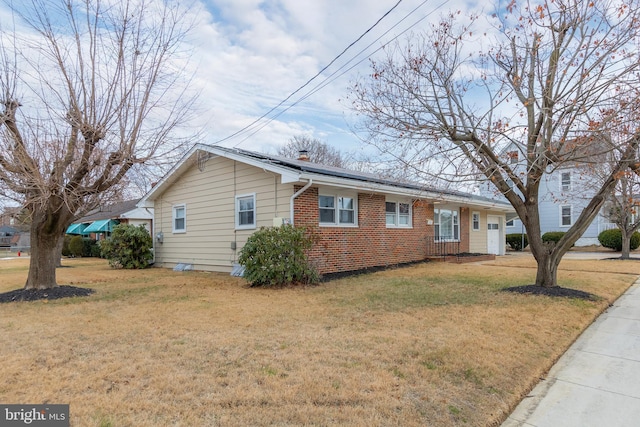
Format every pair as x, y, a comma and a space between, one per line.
312, 78
342, 71
255, 126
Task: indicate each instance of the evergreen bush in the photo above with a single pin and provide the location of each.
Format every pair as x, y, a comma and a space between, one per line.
90, 248
277, 256
552, 236
76, 246
515, 240
128, 247
65, 245
612, 239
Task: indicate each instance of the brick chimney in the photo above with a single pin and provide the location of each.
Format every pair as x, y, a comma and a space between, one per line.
303, 155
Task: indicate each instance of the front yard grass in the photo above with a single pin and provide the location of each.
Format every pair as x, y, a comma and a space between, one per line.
433, 344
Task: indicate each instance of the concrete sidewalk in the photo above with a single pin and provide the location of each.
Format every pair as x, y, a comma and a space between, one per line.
597, 381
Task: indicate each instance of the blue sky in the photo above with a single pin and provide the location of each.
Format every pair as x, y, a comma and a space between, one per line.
252, 54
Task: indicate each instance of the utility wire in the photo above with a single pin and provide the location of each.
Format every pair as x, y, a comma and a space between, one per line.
334, 76
314, 77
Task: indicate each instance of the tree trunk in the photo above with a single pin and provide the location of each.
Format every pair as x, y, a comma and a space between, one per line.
547, 273
46, 229
626, 243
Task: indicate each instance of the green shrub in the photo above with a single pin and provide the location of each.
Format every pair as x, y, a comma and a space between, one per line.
514, 240
76, 246
612, 239
90, 248
277, 256
552, 236
65, 245
94, 249
128, 247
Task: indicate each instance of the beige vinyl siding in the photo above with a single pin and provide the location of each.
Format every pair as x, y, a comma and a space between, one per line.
209, 198
478, 239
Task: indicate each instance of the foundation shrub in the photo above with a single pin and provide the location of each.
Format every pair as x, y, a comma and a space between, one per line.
128, 247
277, 256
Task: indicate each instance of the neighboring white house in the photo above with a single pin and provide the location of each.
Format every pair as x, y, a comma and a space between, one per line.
563, 194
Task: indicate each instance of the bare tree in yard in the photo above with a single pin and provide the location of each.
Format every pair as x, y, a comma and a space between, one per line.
458, 96
88, 90
623, 209
318, 151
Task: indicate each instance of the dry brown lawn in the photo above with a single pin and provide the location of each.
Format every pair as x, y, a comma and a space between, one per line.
433, 344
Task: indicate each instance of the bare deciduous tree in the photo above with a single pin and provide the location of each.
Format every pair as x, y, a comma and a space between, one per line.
623, 209
89, 89
318, 151
457, 96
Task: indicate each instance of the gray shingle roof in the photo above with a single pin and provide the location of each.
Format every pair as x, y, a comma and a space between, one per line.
113, 211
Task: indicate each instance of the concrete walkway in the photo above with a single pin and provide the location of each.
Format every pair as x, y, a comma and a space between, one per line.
597, 381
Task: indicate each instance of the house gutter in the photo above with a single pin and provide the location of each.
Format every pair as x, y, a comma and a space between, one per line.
296, 194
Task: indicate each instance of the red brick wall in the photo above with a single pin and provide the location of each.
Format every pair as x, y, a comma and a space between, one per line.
371, 244
465, 226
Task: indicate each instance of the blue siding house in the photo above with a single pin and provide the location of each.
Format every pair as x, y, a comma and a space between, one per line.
563, 195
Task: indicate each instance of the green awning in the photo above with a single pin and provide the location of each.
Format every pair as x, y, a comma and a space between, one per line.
77, 228
102, 226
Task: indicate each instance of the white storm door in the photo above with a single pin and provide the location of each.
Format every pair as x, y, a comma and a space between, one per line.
493, 235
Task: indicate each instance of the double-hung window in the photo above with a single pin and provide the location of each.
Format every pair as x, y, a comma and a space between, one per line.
565, 216
447, 226
475, 221
565, 181
337, 209
179, 219
398, 214
246, 211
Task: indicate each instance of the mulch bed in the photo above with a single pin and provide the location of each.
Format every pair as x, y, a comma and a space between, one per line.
555, 291
58, 292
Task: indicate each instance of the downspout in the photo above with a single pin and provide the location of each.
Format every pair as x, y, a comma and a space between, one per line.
296, 194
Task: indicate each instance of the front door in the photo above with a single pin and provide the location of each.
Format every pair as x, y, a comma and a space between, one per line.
493, 235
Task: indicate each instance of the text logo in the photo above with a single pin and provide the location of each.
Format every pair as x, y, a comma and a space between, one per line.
34, 415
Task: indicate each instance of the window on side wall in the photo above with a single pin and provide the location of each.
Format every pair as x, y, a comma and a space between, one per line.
337, 209
565, 216
565, 181
475, 221
447, 226
246, 211
179, 219
398, 214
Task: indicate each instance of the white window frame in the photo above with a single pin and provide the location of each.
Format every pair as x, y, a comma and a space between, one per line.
455, 224
397, 215
475, 225
568, 186
174, 217
570, 215
336, 207
510, 223
237, 211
